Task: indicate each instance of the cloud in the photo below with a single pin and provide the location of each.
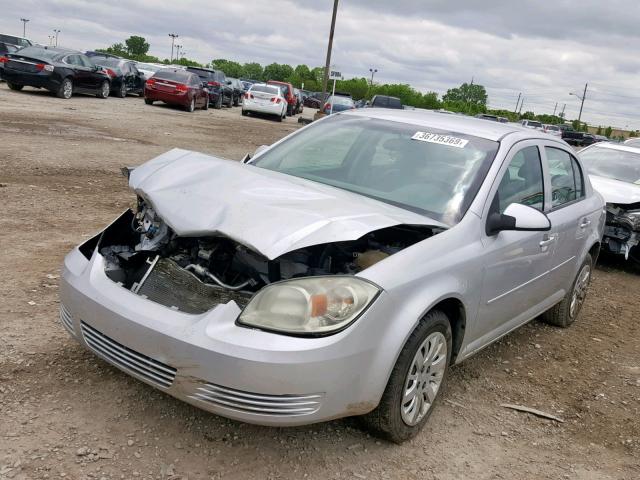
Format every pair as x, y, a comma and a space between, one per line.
544, 50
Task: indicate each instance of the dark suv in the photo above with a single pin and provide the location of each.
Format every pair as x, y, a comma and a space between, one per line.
384, 101
61, 71
216, 82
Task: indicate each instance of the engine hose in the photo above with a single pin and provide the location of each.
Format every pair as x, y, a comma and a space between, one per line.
202, 272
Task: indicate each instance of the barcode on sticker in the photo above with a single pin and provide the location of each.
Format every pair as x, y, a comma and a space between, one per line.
440, 139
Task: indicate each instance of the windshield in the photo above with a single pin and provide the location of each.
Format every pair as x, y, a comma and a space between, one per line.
534, 124
617, 164
426, 170
340, 100
553, 128
147, 66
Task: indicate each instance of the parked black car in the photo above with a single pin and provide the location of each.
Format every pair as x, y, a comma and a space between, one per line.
125, 76
216, 82
315, 100
384, 101
572, 137
5, 49
238, 90
61, 71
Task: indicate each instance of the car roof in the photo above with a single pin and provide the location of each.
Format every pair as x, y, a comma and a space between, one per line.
616, 146
456, 123
58, 50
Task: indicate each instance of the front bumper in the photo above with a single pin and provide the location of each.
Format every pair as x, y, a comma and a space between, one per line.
209, 361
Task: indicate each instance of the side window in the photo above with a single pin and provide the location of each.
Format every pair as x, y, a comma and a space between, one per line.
85, 61
522, 182
567, 183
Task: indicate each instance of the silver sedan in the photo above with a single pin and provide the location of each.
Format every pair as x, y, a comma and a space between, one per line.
340, 271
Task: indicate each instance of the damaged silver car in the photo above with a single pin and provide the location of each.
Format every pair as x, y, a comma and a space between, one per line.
614, 170
339, 272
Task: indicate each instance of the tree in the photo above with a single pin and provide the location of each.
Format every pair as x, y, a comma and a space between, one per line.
279, 72
116, 49
471, 94
229, 67
252, 70
608, 131
137, 46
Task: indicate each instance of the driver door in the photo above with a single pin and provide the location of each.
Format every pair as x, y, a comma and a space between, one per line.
517, 263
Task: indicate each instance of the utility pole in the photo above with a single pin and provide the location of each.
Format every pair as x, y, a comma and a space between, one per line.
56, 31
584, 95
521, 103
24, 26
327, 64
373, 72
554, 109
517, 102
173, 39
51, 37
178, 47
562, 113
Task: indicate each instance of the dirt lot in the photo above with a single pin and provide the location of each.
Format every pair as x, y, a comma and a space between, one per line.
65, 413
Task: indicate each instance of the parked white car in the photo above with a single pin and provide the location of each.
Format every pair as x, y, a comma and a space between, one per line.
266, 99
148, 69
534, 124
553, 130
614, 170
340, 271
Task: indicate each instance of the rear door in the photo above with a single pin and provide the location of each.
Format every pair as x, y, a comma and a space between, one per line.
571, 215
81, 74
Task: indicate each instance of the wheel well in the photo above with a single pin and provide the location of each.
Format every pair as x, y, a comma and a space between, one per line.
594, 251
454, 310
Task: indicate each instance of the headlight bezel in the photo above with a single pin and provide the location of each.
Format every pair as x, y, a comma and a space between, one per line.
311, 334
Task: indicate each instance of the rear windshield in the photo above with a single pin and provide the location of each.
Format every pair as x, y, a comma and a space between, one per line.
173, 75
617, 164
264, 88
39, 53
340, 100
534, 124
22, 42
553, 128
106, 61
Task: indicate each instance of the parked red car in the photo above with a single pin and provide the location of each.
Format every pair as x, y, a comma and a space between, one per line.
287, 93
176, 87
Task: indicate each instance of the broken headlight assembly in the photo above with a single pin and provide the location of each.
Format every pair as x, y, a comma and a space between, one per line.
309, 306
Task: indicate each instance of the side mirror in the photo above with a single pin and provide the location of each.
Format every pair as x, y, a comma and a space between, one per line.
518, 217
257, 152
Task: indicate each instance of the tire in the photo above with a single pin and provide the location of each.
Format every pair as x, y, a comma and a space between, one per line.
218, 104
230, 104
289, 110
236, 101
399, 422
192, 105
244, 113
565, 313
148, 101
280, 117
14, 86
206, 104
122, 91
104, 90
66, 89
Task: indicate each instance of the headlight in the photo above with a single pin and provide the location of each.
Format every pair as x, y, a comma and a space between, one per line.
311, 306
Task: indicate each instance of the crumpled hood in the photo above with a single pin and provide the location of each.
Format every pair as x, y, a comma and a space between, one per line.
615, 191
271, 212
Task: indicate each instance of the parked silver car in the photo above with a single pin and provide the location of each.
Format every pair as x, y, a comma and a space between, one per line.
338, 272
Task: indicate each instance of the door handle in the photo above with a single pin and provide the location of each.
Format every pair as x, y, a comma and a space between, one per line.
547, 241
585, 223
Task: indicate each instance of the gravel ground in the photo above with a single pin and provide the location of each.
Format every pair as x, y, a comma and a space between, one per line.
66, 414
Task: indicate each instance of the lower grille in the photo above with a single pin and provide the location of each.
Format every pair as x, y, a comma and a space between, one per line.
257, 403
175, 287
129, 360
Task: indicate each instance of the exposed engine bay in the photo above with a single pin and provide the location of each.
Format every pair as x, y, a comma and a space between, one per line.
622, 230
193, 275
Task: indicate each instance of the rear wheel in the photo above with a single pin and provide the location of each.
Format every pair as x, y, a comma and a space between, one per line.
148, 101
122, 91
14, 86
206, 103
103, 92
416, 380
244, 113
289, 110
230, 104
192, 105
66, 89
218, 104
565, 313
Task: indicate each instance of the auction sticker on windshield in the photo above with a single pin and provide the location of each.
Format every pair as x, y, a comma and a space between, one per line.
440, 139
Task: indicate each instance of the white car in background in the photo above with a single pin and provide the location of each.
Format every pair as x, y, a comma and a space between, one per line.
267, 99
552, 130
614, 170
632, 142
534, 124
148, 69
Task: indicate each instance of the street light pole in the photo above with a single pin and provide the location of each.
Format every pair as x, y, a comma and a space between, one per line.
327, 65
373, 72
51, 37
517, 102
24, 26
56, 31
584, 95
173, 39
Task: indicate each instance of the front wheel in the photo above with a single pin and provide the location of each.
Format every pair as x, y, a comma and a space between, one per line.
103, 92
565, 313
206, 104
415, 382
122, 91
14, 86
148, 101
66, 89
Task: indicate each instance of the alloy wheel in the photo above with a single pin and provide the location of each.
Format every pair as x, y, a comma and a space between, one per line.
580, 290
67, 89
424, 378
105, 89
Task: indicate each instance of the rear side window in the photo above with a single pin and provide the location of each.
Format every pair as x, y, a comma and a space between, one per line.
522, 182
567, 183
